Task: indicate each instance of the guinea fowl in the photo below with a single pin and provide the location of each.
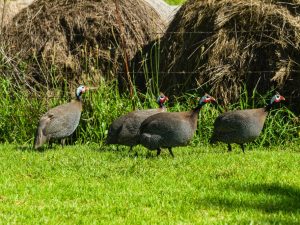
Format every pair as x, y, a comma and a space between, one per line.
60, 121
125, 129
171, 129
242, 126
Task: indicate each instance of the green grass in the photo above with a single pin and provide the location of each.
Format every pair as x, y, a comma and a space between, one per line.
203, 185
22, 110
175, 2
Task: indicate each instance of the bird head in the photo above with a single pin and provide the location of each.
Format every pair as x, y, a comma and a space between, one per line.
277, 98
161, 99
206, 99
80, 90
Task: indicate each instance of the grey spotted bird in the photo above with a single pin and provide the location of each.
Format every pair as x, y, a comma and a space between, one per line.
125, 129
60, 121
242, 126
171, 129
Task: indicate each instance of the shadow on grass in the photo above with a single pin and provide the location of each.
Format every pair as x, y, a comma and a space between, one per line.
24, 148
279, 197
268, 198
30, 148
137, 151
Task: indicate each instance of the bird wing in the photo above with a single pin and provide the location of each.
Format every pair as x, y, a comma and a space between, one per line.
131, 125
157, 124
229, 122
133, 122
56, 119
116, 126
165, 129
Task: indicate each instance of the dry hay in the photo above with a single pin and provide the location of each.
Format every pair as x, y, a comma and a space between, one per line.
79, 39
220, 46
9, 8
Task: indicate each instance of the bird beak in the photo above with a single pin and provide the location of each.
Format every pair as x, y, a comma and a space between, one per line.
282, 98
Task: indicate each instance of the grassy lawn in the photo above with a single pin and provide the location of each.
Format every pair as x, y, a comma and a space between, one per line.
175, 2
90, 185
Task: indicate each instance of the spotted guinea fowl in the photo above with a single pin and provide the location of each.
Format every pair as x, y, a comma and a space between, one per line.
242, 126
60, 121
125, 129
171, 129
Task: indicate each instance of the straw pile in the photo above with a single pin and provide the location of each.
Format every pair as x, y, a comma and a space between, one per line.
79, 40
9, 8
221, 46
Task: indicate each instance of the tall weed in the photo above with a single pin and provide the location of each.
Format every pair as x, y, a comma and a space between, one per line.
21, 110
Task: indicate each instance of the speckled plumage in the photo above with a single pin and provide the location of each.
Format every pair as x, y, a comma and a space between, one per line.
241, 126
125, 129
58, 123
170, 129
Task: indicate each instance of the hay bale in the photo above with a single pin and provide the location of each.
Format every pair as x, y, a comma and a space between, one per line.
222, 45
9, 8
80, 39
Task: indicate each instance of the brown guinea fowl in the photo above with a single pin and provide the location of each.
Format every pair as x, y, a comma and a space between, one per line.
125, 129
242, 126
171, 129
60, 121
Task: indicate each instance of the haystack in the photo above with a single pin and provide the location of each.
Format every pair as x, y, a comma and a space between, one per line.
9, 8
80, 40
223, 46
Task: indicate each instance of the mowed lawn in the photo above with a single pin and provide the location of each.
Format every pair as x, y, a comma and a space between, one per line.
92, 185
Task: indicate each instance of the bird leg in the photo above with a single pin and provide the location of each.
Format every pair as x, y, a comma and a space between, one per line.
170, 150
242, 146
229, 148
158, 151
62, 142
50, 143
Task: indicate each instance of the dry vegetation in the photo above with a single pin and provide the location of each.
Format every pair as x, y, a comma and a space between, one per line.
221, 46
9, 8
79, 40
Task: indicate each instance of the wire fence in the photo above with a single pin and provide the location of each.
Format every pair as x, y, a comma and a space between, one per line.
195, 72
281, 30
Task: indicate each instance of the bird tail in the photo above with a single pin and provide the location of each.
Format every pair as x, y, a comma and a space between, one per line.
149, 141
40, 138
111, 139
108, 141
212, 140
